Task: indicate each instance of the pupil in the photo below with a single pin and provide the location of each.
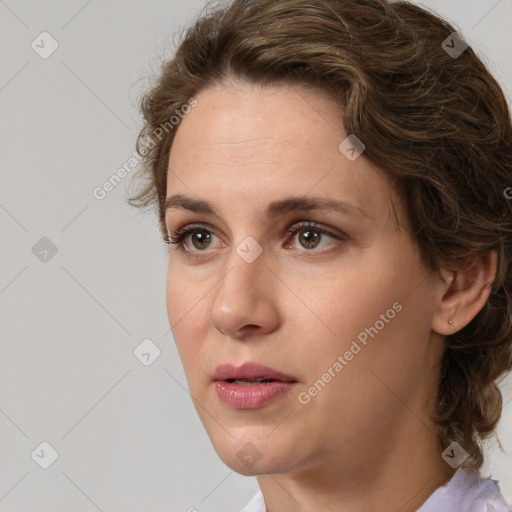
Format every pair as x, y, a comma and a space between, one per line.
202, 238
311, 238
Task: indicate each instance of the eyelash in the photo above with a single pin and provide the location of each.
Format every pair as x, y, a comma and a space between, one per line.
176, 237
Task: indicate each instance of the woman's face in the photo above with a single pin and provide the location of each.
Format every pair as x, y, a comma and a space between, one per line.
333, 297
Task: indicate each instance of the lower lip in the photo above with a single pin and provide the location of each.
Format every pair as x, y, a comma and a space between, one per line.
252, 396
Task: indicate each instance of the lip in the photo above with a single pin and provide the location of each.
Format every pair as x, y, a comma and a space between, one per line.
250, 370
252, 396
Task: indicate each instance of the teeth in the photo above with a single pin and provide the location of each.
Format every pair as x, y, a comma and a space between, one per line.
245, 382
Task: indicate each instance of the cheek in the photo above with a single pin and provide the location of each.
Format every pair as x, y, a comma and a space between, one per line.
383, 342
188, 303
349, 303
364, 316
184, 309
175, 307
181, 292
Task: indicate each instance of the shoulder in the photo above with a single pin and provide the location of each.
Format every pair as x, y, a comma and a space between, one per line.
257, 504
467, 491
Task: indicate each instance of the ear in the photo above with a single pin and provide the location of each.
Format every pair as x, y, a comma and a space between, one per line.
464, 293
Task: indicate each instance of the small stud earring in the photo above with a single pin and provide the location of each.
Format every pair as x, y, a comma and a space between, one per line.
450, 322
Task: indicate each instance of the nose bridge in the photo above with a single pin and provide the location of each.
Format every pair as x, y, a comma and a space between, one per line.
244, 270
243, 296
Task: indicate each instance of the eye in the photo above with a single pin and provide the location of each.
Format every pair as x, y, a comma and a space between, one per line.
197, 238
198, 234
311, 234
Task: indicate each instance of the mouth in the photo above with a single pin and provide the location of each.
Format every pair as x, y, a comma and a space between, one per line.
251, 386
248, 382
250, 374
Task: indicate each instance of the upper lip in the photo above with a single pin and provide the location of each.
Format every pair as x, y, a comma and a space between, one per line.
250, 371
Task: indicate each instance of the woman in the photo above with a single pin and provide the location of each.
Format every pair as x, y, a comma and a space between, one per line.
331, 178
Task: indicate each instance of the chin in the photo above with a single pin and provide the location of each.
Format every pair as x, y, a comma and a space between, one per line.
254, 455
260, 467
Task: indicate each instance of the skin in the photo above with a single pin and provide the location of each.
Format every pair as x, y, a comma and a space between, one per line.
365, 442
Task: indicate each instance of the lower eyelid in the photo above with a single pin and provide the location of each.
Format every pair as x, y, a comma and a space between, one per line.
181, 235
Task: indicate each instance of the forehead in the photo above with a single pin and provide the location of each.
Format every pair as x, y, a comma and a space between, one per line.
243, 115
254, 143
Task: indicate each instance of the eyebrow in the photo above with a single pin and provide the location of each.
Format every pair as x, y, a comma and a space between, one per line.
274, 209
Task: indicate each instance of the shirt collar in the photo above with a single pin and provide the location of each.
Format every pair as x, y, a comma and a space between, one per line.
465, 492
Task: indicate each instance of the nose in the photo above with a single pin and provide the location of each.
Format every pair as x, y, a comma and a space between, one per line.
245, 301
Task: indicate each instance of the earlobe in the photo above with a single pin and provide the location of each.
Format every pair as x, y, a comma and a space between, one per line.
464, 293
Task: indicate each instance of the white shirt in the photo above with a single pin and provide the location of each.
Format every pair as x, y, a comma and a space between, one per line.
465, 492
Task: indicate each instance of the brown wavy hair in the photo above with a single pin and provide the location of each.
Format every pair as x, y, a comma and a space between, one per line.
439, 126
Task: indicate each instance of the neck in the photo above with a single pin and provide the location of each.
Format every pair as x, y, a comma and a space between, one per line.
390, 477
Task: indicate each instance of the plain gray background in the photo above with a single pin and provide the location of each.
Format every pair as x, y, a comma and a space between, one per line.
127, 435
